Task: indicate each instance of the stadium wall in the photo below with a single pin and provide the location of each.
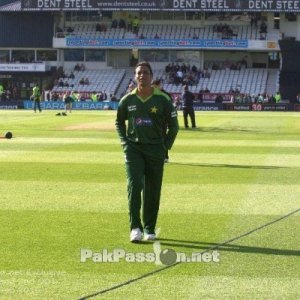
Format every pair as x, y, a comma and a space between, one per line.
290, 71
26, 30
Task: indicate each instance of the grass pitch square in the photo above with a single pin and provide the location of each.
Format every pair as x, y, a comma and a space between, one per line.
232, 186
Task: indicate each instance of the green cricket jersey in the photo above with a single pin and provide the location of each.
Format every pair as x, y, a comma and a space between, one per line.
36, 93
147, 119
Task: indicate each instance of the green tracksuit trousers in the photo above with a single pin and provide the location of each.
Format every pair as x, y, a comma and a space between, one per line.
144, 168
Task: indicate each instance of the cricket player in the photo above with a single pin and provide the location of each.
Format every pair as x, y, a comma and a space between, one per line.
36, 96
146, 110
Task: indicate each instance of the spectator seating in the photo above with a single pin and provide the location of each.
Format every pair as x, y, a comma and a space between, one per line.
250, 81
99, 80
247, 80
168, 31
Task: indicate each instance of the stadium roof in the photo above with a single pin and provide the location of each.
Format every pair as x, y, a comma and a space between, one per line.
4, 2
10, 5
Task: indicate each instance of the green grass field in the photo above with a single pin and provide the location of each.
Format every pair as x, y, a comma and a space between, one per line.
63, 189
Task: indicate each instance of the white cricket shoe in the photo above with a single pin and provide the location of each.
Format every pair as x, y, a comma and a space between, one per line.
136, 235
149, 236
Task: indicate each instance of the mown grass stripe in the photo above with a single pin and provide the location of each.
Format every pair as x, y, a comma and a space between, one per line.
61, 141
145, 275
214, 160
109, 197
182, 142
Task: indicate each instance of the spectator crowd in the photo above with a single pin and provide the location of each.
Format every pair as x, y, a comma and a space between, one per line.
185, 74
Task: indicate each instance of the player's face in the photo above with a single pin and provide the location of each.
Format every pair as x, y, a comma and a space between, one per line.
143, 76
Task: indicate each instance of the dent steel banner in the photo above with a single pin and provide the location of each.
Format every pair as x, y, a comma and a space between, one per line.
164, 5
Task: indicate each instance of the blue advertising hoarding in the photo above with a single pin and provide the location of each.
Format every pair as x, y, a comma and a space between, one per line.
155, 43
82, 105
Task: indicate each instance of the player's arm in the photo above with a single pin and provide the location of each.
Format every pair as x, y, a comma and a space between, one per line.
121, 122
172, 123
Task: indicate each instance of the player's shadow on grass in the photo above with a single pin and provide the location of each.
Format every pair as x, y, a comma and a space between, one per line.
219, 129
227, 166
206, 247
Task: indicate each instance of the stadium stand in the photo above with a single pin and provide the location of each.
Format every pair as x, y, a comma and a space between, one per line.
251, 81
166, 31
99, 80
111, 69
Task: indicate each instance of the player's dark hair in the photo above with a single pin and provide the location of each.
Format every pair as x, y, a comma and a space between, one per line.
144, 64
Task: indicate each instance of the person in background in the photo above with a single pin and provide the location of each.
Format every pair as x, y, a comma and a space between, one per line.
54, 96
1, 90
36, 97
68, 102
94, 97
104, 96
188, 107
277, 97
113, 97
135, 25
129, 22
75, 96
